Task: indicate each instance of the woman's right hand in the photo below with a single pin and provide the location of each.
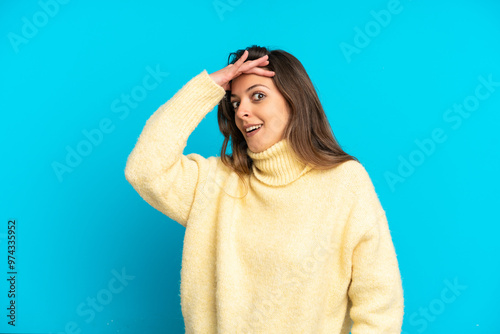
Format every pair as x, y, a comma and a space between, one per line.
231, 71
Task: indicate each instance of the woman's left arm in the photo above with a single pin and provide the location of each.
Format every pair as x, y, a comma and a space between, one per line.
376, 290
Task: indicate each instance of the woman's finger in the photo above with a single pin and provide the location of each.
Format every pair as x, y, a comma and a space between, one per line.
241, 66
251, 62
242, 59
261, 71
262, 61
234, 69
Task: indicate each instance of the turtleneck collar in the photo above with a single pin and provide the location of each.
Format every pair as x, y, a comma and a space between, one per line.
277, 165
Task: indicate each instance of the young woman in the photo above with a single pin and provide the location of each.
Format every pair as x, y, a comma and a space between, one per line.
284, 235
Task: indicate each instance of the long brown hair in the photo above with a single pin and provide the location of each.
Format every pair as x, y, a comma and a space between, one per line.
308, 130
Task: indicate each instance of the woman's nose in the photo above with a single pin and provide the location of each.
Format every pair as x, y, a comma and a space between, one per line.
243, 109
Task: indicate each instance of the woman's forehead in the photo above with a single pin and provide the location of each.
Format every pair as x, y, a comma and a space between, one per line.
243, 82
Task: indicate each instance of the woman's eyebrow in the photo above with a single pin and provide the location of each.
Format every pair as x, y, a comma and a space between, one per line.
251, 87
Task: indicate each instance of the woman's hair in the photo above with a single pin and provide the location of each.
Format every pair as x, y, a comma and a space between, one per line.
308, 130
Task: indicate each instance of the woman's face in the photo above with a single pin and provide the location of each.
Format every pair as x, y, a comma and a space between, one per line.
256, 100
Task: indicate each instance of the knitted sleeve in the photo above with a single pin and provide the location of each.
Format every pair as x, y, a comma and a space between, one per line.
156, 167
375, 290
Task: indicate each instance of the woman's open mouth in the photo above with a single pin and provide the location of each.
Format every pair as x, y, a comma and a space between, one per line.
253, 132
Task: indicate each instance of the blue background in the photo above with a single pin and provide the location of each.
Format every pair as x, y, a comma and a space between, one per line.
395, 89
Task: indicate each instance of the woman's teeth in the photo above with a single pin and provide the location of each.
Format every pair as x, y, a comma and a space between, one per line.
253, 128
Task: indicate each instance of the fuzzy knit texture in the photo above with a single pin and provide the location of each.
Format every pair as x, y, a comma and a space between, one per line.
304, 251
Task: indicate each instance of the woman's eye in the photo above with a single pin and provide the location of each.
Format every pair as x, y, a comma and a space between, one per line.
258, 93
261, 96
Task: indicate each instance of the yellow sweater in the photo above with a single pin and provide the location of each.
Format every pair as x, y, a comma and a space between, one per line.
305, 251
